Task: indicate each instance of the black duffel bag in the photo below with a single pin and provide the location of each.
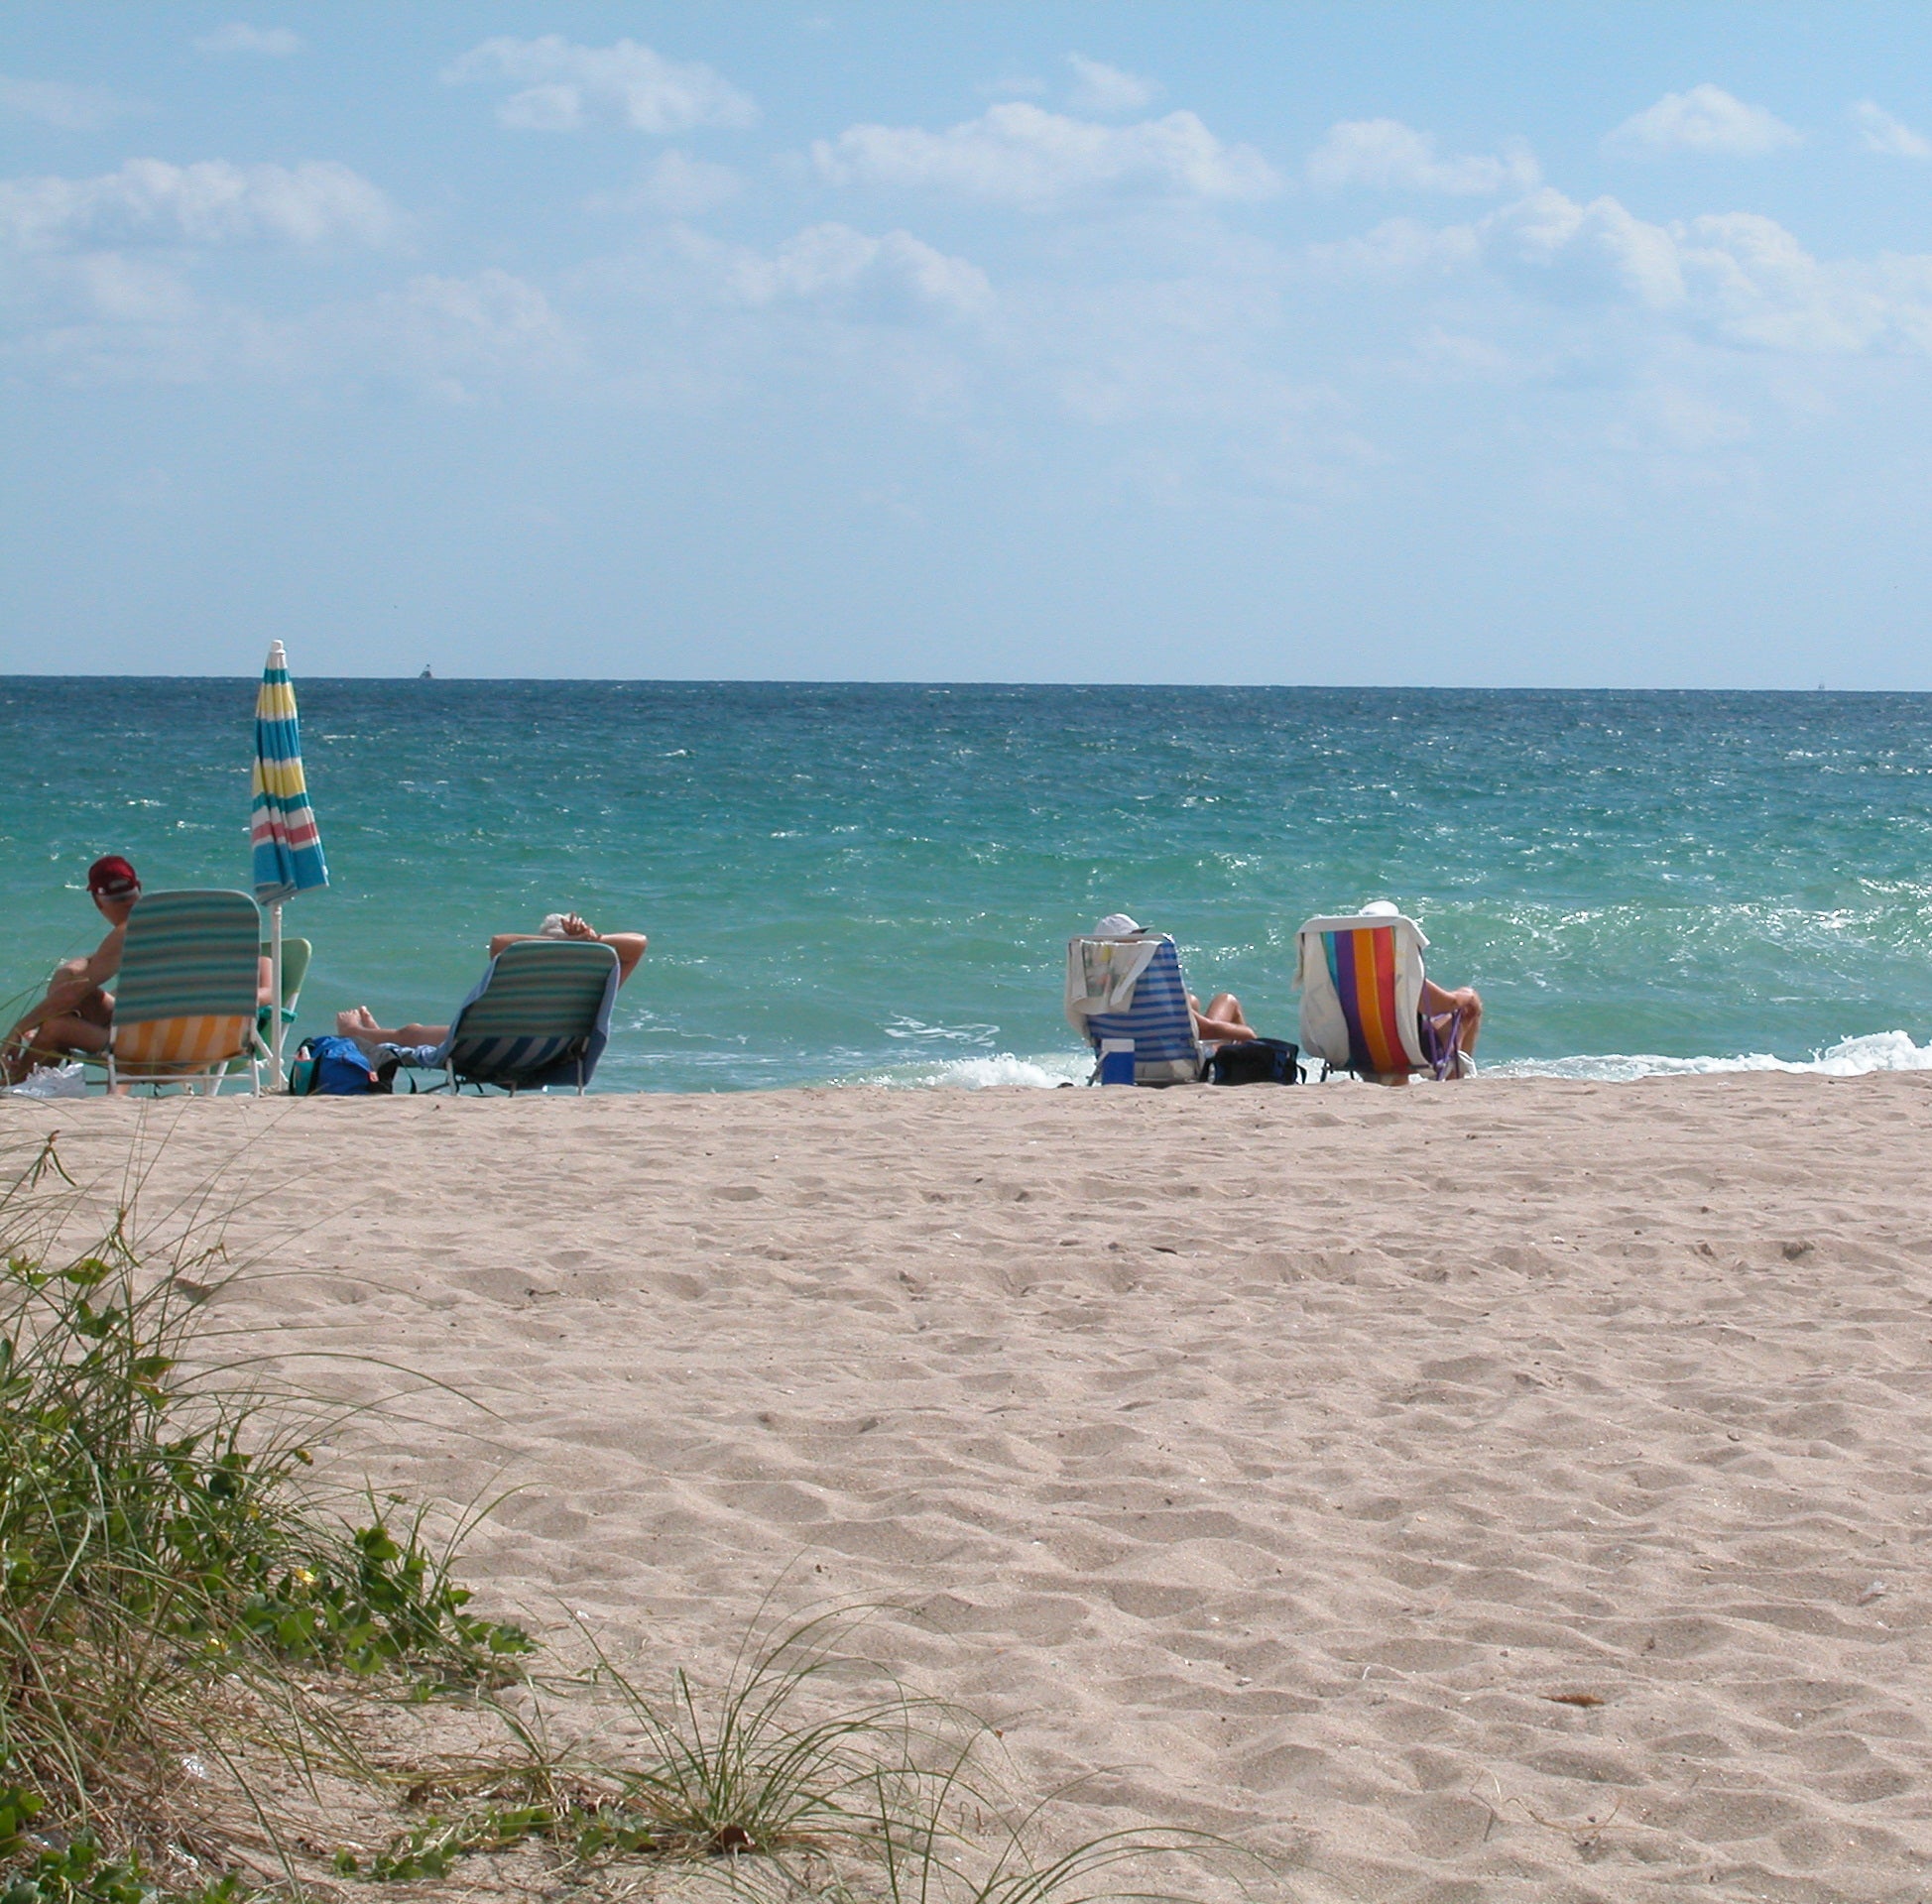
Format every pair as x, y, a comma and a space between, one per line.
1255, 1061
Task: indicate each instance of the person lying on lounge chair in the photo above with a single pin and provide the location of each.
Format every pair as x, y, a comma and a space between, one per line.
360, 1023
1222, 1022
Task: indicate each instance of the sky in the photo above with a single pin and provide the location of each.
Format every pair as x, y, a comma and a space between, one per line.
1485, 345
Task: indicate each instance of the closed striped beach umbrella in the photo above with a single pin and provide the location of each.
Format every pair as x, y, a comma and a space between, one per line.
287, 846
282, 826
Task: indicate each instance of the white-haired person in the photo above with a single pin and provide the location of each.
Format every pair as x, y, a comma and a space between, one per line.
1440, 1007
1220, 1022
359, 1024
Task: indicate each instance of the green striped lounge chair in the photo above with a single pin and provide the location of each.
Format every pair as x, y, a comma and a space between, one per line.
1133, 989
540, 1016
296, 957
1361, 979
186, 1000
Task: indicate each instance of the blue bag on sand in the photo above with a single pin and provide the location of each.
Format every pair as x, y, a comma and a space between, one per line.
331, 1068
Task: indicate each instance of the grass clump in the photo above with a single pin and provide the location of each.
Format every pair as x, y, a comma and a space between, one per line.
755, 1769
805, 1774
78, 1871
161, 1567
177, 1612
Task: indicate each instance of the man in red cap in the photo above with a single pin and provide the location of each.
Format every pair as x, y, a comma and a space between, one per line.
76, 1014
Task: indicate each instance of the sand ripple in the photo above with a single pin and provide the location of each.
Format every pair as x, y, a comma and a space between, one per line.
1510, 1493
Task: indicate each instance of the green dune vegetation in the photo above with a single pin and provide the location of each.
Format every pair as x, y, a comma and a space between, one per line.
216, 1686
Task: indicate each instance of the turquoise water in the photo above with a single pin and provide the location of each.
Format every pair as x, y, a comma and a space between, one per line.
877, 882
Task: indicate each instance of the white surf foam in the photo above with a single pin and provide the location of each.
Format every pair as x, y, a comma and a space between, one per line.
1849, 1058
985, 1073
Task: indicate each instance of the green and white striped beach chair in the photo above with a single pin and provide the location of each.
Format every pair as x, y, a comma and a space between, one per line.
540, 1016
186, 1000
296, 955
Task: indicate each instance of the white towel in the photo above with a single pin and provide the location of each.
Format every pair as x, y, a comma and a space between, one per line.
1324, 1026
1101, 975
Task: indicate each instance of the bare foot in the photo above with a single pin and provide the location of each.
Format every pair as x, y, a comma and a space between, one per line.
359, 1023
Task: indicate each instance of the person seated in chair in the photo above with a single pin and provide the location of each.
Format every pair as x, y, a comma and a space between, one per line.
76, 1017
359, 1024
1441, 1006
75, 1014
1221, 1023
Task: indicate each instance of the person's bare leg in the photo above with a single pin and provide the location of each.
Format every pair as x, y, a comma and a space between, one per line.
71, 1018
1462, 1007
1221, 1023
1472, 1024
54, 1039
66, 990
359, 1025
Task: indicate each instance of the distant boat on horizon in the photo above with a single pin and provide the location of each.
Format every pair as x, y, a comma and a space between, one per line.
425, 676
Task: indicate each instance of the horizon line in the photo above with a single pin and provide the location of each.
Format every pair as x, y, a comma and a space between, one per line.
855, 681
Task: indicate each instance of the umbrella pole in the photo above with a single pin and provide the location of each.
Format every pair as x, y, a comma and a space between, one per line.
275, 989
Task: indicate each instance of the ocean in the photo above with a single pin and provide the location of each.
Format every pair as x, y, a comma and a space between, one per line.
866, 883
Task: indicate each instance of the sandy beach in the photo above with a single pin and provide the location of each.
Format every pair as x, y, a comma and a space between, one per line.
1508, 1491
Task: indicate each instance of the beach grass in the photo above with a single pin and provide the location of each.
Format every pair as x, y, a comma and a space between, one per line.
180, 1612
169, 1589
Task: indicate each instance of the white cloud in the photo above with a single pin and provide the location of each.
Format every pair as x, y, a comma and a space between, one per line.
278, 42
1020, 155
106, 317
70, 108
674, 183
1881, 131
211, 202
1098, 87
1393, 156
119, 289
442, 333
1706, 119
893, 276
1737, 278
566, 86
1399, 251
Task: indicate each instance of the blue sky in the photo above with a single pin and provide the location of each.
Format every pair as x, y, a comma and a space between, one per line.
1489, 345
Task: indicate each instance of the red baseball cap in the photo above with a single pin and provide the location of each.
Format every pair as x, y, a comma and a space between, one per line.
112, 878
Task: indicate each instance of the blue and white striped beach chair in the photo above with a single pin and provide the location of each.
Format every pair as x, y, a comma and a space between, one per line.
541, 1016
1133, 989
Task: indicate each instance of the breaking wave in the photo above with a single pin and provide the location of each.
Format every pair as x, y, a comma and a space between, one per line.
1849, 1058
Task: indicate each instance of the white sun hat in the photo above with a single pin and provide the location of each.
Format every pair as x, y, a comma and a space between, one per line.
1116, 925
1380, 910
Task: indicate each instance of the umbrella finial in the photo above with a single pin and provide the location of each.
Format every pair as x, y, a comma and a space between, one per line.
277, 658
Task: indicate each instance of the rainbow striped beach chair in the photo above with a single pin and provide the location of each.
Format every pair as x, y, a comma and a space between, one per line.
1361, 979
186, 1000
1133, 989
540, 1015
